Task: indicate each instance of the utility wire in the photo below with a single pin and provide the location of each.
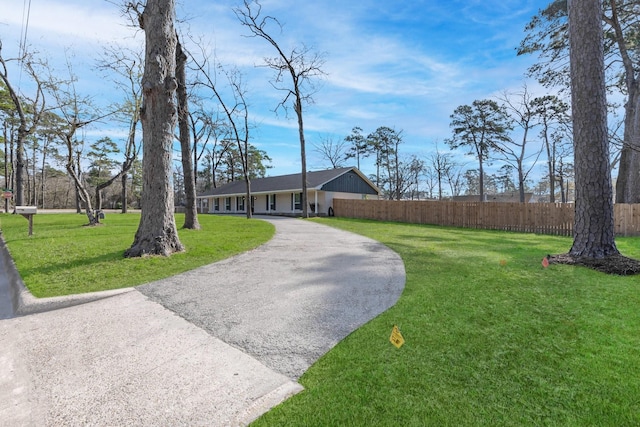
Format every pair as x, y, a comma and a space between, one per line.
22, 48
26, 13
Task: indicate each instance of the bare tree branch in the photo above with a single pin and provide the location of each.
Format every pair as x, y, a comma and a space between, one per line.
301, 64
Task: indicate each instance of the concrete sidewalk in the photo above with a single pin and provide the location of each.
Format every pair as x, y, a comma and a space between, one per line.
219, 345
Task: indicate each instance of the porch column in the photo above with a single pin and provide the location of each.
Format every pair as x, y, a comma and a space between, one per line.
315, 206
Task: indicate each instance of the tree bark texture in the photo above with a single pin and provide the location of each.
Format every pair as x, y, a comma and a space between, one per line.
191, 212
628, 183
157, 233
594, 228
303, 153
22, 134
124, 192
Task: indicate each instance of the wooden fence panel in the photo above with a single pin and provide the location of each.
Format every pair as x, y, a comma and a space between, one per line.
541, 218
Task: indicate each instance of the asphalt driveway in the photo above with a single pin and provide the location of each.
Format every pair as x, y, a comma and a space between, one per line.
218, 345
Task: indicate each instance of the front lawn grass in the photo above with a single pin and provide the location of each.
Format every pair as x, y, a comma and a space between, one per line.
492, 339
63, 257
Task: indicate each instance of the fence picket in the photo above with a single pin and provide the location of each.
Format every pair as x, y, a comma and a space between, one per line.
541, 218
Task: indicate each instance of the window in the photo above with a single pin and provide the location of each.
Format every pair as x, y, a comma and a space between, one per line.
239, 203
272, 202
227, 204
216, 204
296, 201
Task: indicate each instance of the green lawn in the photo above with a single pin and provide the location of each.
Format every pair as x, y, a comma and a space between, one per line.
64, 257
492, 339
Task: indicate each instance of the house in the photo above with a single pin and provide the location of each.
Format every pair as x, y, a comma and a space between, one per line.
282, 195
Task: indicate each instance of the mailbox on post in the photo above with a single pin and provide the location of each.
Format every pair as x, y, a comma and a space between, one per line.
27, 212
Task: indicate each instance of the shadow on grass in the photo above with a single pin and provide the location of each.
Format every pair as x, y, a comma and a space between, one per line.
61, 267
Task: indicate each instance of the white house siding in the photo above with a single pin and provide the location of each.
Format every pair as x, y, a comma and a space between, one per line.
209, 205
283, 204
324, 200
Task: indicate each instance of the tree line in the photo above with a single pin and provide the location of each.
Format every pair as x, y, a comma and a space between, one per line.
547, 36
158, 99
48, 144
517, 131
43, 132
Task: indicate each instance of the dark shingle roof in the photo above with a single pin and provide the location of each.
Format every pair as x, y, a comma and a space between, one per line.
272, 184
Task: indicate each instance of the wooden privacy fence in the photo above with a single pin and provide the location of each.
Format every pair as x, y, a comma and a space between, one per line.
541, 218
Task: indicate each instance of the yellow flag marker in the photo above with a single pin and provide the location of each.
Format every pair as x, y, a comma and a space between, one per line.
396, 337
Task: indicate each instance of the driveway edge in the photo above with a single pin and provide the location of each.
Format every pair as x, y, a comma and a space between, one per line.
22, 300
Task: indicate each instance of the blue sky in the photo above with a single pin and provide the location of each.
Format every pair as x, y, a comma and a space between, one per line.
405, 65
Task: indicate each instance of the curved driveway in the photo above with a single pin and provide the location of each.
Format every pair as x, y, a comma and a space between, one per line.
291, 300
218, 345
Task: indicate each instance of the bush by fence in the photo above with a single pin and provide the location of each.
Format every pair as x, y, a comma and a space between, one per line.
541, 218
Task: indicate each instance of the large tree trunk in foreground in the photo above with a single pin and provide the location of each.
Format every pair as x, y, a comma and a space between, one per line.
594, 235
157, 234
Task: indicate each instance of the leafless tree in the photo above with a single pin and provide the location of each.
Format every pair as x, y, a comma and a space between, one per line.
302, 65
221, 144
124, 66
455, 178
29, 112
522, 109
235, 108
75, 113
184, 136
441, 164
553, 115
205, 128
332, 150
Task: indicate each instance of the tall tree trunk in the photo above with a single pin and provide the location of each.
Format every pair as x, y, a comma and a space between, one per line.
551, 162
77, 181
157, 233
248, 197
191, 210
98, 198
6, 165
124, 192
33, 188
521, 191
594, 228
43, 175
481, 177
628, 182
303, 155
19, 167
563, 196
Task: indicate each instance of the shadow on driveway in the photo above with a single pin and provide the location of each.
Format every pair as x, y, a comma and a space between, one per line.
291, 300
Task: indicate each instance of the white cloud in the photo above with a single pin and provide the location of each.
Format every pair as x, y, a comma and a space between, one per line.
407, 65
58, 23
